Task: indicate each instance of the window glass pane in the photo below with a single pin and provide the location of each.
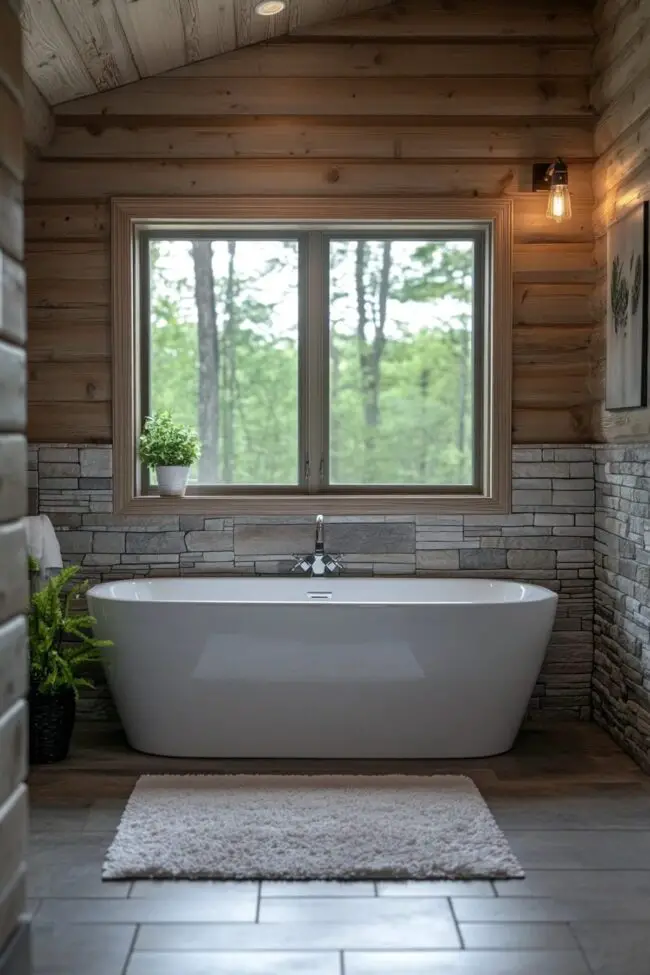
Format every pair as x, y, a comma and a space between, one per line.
224, 353
401, 362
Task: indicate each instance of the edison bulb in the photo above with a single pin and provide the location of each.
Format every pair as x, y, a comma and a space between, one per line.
559, 203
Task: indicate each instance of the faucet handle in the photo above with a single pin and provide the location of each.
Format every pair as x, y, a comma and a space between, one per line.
301, 563
333, 562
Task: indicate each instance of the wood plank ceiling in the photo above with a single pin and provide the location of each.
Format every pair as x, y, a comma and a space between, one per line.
78, 47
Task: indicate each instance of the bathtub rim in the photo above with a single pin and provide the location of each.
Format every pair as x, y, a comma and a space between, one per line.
539, 594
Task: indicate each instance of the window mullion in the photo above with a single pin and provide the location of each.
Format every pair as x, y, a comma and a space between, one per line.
316, 362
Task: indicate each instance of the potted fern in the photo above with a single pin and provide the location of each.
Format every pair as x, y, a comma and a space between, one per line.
170, 448
61, 645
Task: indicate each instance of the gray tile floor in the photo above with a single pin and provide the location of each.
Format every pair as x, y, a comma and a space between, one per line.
576, 812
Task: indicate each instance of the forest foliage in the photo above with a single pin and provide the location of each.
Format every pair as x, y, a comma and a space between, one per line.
224, 357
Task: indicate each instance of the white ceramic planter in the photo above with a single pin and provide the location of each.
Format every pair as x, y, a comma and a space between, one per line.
172, 481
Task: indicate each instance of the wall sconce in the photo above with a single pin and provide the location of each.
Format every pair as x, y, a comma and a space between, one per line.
555, 179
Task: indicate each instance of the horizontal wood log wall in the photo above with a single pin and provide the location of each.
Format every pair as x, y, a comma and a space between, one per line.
13, 498
454, 99
621, 94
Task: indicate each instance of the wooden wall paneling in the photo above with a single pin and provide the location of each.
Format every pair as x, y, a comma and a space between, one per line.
12, 300
11, 133
100, 40
154, 31
559, 425
548, 343
70, 382
11, 67
545, 263
365, 119
260, 177
61, 339
615, 77
467, 18
14, 589
68, 422
553, 304
618, 117
423, 96
13, 384
388, 137
208, 28
629, 154
615, 39
38, 117
50, 57
67, 274
389, 58
71, 221
11, 214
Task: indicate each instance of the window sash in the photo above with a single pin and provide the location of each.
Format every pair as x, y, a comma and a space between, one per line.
314, 406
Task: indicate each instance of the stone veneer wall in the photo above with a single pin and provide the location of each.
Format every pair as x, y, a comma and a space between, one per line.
548, 538
621, 685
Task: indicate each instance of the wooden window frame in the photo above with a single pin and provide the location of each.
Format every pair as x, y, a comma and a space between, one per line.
130, 215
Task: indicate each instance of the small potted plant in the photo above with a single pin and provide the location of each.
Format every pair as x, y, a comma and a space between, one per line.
171, 449
61, 645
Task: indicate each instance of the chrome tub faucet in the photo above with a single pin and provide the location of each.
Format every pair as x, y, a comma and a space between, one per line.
320, 562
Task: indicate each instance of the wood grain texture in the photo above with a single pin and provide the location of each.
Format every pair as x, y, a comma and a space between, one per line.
453, 19
11, 68
434, 100
12, 300
208, 28
99, 37
50, 56
67, 422
390, 137
13, 673
77, 47
14, 820
14, 590
622, 170
446, 97
390, 58
193, 177
13, 388
38, 118
12, 155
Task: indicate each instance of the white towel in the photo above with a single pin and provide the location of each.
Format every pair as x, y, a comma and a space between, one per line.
42, 543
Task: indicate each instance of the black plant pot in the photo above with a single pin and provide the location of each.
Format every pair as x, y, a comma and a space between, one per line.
51, 720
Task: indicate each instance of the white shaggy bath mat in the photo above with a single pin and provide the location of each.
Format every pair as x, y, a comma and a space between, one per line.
298, 827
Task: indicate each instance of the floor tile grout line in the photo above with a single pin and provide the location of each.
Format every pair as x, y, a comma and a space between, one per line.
456, 922
258, 904
129, 954
583, 953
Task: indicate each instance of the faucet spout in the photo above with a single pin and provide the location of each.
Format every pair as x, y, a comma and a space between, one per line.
320, 536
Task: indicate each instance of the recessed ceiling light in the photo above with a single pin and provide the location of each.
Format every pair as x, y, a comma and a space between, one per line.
269, 8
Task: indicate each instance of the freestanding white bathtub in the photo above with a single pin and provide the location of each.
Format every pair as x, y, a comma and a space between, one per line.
322, 668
